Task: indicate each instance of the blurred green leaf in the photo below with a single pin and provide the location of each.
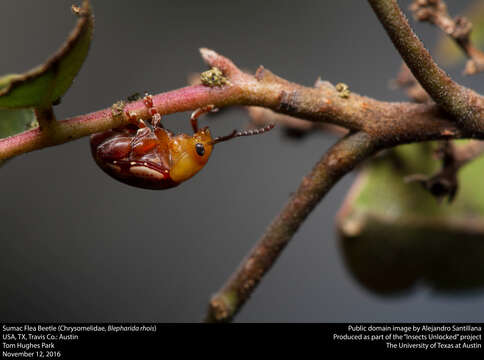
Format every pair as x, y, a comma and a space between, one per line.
447, 51
7, 79
395, 234
45, 84
14, 121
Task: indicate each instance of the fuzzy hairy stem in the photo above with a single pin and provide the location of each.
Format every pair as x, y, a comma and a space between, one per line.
415, 91
373, 125
390, 122
261, 117
338, 161
458, 29
455, 99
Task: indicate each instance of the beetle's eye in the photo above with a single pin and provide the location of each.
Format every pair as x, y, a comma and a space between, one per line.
200, 149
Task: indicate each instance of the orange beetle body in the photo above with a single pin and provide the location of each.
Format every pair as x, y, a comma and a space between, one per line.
155, 160
152, 157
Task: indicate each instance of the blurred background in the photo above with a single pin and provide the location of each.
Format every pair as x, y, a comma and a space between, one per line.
75, 245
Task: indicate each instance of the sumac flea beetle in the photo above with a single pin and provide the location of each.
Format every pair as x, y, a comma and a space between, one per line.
151, 157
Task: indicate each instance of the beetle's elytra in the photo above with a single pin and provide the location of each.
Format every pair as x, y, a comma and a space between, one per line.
152, 157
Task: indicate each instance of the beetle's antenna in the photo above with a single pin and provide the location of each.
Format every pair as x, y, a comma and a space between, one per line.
236, 133
197, 113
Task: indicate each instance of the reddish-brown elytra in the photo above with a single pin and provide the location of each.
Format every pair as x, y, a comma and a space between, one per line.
152, 157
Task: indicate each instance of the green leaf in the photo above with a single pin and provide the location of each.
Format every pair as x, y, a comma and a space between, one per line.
14, 121
396, 234
43, 85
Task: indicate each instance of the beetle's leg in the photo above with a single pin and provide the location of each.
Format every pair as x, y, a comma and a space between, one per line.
143, 141
163, 136
156, 121
197, 113
163, 146
121, 146
132, 119
161, 133
155, 115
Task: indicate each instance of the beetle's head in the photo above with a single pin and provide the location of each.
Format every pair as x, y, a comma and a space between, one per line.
191, 154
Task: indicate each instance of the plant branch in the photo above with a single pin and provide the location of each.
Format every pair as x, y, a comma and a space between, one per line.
459, 29
373, 125
394, 123
45, 117
414, 90
468, 152
461, 103
338, 161
445, 182
261, 117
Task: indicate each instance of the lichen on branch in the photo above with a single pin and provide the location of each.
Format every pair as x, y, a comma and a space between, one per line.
323, 104
370, 126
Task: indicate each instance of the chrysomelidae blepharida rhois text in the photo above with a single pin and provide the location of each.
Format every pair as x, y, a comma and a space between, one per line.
151, 157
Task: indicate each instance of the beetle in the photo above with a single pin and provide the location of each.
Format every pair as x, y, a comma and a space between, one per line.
150, 156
